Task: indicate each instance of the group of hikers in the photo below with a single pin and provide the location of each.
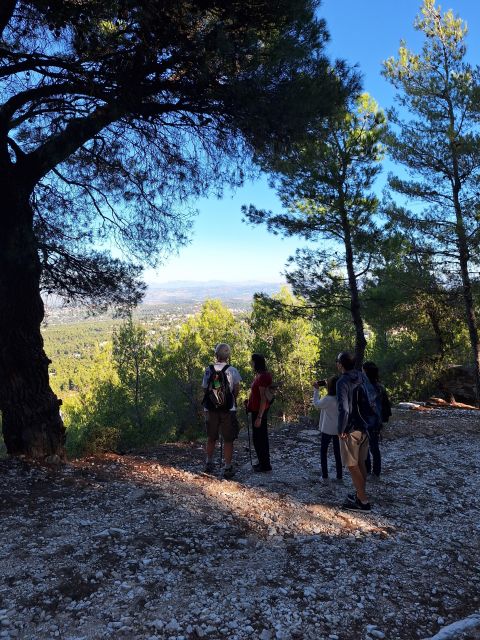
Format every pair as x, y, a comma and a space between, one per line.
352, 415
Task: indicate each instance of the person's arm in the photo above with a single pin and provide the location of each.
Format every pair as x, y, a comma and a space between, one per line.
343, 407
236, 379
236, 390
318, 402
206, 377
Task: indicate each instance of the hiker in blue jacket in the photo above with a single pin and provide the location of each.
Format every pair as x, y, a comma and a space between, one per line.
352, 429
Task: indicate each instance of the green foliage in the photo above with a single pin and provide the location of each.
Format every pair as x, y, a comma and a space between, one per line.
415, 321
120, 408
74, 350
436, 138
132, 357
123, 111
190, 350
336, 333
324, 185
108, 411
144, 390
291, 349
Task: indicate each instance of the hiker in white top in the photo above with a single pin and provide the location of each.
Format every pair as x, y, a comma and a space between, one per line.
328, 424
221, 383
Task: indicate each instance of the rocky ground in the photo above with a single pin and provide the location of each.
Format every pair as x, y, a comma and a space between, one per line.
148, 547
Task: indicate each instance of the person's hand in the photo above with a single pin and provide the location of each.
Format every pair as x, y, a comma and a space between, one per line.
258, 423
343, 436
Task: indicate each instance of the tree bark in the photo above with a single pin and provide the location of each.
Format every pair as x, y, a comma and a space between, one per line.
435, 322
464, 255
6, 11
31, 421
355, 308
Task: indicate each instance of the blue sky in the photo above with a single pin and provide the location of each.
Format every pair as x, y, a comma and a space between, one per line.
363, 32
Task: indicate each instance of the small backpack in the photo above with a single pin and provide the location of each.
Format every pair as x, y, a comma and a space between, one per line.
364, 414
218, 395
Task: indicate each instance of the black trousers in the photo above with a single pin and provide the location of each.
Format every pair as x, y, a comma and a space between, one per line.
374, 450
326, 437
260, 440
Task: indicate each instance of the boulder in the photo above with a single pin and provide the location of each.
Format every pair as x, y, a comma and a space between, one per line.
457, 382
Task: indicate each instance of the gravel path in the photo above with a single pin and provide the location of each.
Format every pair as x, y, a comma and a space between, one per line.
148, 547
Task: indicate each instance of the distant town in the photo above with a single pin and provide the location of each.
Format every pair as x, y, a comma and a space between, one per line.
169, 302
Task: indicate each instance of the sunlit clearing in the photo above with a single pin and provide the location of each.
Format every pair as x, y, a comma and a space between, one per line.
258, 509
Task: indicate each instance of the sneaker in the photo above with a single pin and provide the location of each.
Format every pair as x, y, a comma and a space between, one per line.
228, 473
357, 505
352, 497
209, 467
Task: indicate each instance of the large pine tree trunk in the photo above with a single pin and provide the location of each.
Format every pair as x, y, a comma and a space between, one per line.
31, 421
355, 308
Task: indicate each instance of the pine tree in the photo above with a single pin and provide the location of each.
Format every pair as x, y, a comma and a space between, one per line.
324, 184
114, 115
435, 137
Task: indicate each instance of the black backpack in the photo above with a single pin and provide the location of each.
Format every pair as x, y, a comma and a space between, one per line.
364, 414
218, 395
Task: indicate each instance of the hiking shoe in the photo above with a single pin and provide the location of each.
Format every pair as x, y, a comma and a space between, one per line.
228, 473
356, 505
209, 467
258, 468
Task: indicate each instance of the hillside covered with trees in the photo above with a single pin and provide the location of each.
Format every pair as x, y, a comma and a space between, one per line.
120, 121
116, 116
131, 383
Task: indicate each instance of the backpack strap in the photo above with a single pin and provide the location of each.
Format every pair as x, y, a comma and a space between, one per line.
358, 390
225, 368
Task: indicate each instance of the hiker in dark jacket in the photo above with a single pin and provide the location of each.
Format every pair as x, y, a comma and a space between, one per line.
384, 411
352, 433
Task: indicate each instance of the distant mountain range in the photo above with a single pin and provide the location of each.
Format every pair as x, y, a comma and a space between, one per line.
185, 291
187, 294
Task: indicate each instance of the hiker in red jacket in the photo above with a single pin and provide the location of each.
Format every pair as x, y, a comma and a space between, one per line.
258, 406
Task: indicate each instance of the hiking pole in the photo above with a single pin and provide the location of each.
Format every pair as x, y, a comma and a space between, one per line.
221, 450
249, 443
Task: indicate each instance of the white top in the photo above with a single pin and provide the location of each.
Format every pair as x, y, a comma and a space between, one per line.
328, 413
232, 375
